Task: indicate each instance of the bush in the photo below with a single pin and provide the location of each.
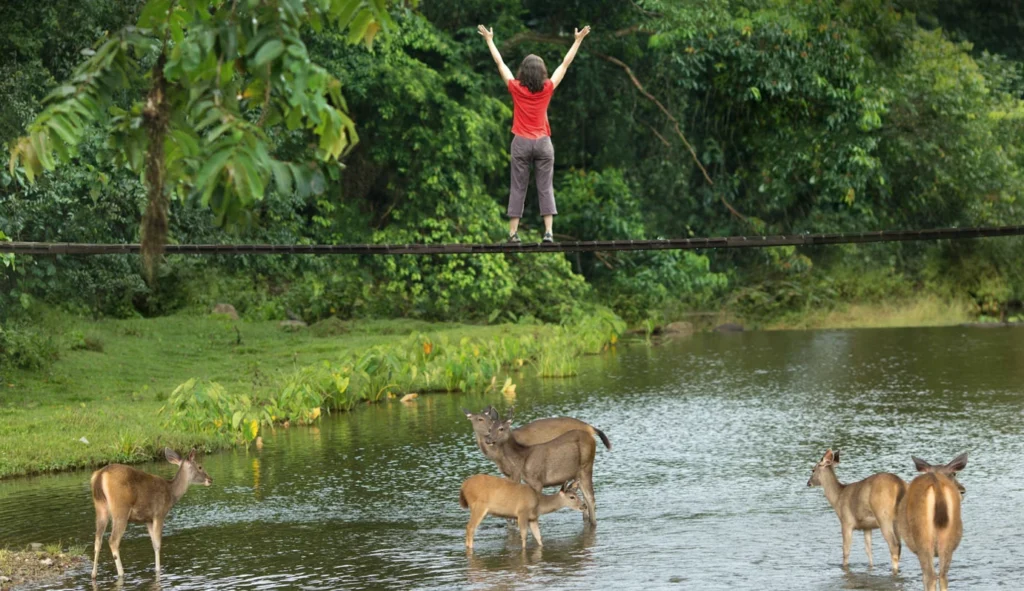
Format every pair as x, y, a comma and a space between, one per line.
27, 348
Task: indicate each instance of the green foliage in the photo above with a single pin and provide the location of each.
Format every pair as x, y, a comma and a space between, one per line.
223, 70
27, 347
198, 406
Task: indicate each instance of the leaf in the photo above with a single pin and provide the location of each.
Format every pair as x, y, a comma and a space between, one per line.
359, 26
271, 50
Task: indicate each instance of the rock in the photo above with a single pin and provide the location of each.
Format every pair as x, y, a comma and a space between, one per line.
329, 327
36, 546
292, 324
227, 310
4, 579
259, 442
677, 328
84, 440
46, 561
729, 327
410, 397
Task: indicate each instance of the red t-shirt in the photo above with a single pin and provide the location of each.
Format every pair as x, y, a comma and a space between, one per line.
530, 110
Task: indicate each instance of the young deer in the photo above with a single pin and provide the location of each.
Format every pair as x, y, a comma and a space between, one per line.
569, 456
533, 433
864, 505
929, 518
122, 494
483, 495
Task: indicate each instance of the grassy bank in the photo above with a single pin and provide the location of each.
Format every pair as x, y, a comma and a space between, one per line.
924, 310
34, 565
100, 403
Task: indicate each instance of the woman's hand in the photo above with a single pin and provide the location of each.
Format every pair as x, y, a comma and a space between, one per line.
579, 34
489, 34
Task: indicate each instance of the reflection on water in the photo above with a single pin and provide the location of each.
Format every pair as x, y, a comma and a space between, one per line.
714, 438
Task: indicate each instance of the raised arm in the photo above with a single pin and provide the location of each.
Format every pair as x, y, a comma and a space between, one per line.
556, 78
488, 34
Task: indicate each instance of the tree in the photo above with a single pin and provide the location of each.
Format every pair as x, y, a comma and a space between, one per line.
218, 73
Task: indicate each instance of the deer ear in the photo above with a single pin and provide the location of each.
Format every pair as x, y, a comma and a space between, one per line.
172, 456
469, 415
827, 458
921, 465
192, 455
835, 457
958, 463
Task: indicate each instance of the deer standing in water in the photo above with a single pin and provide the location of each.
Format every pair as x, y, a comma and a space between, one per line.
569, 456
864, 505
121, 493
483, 494
929, 518
532, 433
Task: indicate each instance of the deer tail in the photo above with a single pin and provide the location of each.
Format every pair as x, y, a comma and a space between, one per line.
96, 483
604, 438
941, 519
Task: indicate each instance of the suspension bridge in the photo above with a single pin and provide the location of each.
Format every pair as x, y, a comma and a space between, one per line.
73, 248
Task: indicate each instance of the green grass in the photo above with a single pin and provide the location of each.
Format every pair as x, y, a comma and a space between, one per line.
923, 310
112, 398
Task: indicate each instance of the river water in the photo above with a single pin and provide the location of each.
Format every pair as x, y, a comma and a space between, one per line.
714, 439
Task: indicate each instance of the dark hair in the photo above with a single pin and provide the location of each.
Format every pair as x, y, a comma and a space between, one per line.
532, 73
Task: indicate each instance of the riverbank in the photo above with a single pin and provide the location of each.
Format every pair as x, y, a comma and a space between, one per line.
925, 310
37, 564
101, 403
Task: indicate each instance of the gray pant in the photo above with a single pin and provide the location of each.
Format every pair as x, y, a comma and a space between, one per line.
540, 153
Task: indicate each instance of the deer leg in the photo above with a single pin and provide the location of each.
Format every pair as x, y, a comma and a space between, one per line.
867, 546
945, 558
587, 486
102, 519
535, 528
889, 533
475, 517
116, 531
522, 530
847, 542
927, 568
156, 532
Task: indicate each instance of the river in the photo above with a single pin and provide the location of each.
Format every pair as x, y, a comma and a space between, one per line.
714, 438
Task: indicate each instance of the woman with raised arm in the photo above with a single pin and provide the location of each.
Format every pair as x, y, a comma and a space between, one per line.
531, 92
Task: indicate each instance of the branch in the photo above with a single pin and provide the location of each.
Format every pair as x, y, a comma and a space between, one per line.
660, 137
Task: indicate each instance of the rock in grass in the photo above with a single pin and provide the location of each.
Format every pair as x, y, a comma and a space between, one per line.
292, 325
225, 309
329, 327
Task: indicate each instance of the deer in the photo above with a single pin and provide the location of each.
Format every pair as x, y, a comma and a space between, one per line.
863, 505
121, 494
570, 456
533, 433
483, 494
929, 517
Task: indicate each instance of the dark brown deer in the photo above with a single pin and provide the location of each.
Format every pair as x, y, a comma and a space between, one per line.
533, 433
929, 518
487, 495
863, 505
569, 456
121, 493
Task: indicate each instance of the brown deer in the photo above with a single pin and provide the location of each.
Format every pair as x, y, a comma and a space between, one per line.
483, 495
533, 433
569, 456
864, 505
122, 494
929, 518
